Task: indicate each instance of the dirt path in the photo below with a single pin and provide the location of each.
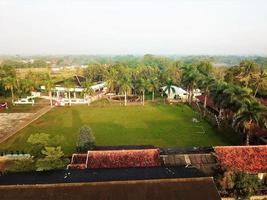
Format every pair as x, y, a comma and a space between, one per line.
11, 123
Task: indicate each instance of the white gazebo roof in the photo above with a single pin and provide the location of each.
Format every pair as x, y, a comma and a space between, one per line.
178, 90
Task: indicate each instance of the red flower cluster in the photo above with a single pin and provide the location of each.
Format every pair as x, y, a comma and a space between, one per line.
251, 159
123, 158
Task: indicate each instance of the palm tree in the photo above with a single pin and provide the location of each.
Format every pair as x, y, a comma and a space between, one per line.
205, 83
49, 84
88, 90
250, 115
218, 95
190, 77
236, 96
246, 68
111, 79
259, 80
153, 86
142, 86
169, 87
68, 84
125, 85
9, 84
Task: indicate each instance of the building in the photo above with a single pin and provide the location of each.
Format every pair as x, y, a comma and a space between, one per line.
158, 189
116, 159
74, 93
249, 159
176, 93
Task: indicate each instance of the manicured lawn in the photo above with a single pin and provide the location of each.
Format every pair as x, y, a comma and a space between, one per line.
159, 125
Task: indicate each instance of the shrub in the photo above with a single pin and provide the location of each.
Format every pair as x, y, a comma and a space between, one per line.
54, 159
21, 165
239, 184
86, 140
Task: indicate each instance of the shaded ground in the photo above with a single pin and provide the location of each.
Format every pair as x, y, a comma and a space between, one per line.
98, 175
159, 125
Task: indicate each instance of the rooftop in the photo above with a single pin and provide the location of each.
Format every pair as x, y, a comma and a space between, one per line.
116, 159
170, 189
251, 159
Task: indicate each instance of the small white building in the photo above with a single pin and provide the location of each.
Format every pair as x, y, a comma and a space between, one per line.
75, 94
176, 93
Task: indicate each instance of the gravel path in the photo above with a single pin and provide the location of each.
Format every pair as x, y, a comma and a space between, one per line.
11, 123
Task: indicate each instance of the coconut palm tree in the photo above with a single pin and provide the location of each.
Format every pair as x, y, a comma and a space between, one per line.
235, 96
125, 85
111, 79
190, 78
49, 84
249, 115
9, 84
153, 86
205, 83
259, 80
169, 88
142, 86
88, 90
218, 95
68, 84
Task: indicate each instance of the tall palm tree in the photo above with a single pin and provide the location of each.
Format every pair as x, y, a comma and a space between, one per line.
205, 83
88, 90
111, 79
235, 96
169, 87
153, 86
49, 84
246, 68
142, 86
218, 95
190, 78
250, 115
9, 84
68, 84
125, 85
259, 80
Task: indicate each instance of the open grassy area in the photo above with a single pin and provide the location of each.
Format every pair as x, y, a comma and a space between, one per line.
159, 125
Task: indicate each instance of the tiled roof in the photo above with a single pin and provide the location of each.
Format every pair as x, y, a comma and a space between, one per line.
123, 158
169, 189
251, 159
116, 159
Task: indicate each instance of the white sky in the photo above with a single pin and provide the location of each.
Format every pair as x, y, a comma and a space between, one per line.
133, 27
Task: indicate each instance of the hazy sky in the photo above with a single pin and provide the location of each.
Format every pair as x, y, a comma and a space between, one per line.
133, 27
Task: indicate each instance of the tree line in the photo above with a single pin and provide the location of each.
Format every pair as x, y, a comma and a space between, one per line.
236, 89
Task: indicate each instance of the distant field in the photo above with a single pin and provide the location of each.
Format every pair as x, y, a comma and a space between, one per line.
160, 125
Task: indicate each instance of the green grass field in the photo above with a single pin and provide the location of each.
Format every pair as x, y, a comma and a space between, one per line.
160, 125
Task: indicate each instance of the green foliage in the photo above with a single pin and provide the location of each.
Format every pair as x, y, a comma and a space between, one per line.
86, 140
246, 185
38, 141
53, 159
239, 184
39, 138
22, 165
